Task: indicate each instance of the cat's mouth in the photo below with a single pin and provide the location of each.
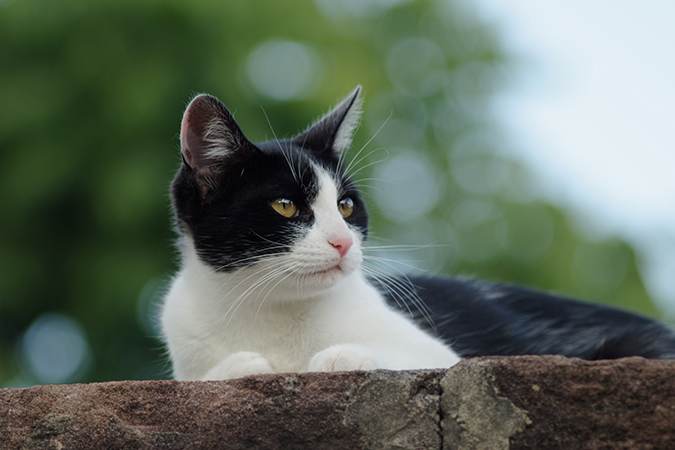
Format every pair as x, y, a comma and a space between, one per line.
330, 270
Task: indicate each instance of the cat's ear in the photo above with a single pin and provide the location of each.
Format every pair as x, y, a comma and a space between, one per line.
332, 134
210, 139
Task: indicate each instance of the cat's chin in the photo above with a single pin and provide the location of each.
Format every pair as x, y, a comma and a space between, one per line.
332, 271
325, 279
321, 281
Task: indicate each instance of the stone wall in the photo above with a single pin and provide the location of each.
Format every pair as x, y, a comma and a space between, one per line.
485, 403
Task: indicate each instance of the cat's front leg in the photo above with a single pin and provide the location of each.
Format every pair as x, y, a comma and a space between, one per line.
239, 365
344, 357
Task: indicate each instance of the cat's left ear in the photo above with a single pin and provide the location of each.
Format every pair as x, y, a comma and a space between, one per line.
332, 134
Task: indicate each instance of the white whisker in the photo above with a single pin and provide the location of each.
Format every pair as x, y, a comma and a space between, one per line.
402, 247
404, 285
353, 161
284, 151
373, 162
390, 262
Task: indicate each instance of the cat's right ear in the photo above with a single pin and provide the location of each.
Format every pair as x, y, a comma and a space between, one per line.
210, 139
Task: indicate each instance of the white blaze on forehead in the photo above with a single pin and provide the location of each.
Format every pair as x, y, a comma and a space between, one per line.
325, 207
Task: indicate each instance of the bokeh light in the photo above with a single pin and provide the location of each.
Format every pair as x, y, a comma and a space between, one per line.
406, 186
284, 70
55, 349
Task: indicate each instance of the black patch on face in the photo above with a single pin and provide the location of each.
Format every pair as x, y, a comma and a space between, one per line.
237, 226
223, 192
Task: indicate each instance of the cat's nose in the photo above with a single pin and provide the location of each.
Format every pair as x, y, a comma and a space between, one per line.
342, 244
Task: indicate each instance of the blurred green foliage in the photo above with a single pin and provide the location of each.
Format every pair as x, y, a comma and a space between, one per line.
91, 97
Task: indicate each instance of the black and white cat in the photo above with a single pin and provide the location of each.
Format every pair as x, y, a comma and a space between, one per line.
272, 237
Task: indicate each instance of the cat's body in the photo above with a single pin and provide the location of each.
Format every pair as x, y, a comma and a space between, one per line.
347, 328
271, 277
480, 318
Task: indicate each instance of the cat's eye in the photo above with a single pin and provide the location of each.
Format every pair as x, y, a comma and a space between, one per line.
346, 207
285, 207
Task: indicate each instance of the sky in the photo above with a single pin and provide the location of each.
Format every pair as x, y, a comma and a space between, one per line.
591, 109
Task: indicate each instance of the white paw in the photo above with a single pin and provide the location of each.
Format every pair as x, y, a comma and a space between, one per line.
239, 365
345, 357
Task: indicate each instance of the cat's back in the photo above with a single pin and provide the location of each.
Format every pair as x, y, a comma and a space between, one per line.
479, 318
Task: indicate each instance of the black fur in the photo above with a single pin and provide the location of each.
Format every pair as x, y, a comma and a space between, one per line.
479, 318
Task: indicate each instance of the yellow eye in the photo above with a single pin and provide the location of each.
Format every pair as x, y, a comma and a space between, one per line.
346, 207
285, 207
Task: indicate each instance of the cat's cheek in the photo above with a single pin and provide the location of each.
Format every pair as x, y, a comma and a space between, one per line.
239, 365
344, 357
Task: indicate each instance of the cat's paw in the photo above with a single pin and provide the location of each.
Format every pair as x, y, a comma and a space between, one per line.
239, 365
343, 358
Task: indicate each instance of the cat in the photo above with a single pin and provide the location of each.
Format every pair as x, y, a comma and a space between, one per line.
271, 237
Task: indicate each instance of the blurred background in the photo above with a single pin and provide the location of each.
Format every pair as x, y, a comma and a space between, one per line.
91, 97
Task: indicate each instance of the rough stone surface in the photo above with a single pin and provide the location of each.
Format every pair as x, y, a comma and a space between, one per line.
485, 403
474, 415
614, 404
351, 410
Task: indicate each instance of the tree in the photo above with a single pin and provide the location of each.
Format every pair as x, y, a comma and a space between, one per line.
92, 94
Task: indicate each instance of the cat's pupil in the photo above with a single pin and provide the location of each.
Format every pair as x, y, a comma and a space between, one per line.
285, 207
346, 207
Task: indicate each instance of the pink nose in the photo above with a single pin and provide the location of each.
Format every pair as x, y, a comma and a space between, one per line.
342, 244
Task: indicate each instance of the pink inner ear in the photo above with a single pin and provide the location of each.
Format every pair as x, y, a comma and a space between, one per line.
209, 136
189, 140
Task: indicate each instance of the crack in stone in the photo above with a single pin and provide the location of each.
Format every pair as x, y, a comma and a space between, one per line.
476, 417
397, 412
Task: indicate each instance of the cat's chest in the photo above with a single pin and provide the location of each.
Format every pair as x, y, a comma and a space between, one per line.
212, 319
288, 336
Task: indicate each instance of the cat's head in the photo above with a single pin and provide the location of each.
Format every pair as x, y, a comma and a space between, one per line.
283, 206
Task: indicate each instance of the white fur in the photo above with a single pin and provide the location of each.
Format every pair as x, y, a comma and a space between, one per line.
218, 140
348, 127
305, 310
